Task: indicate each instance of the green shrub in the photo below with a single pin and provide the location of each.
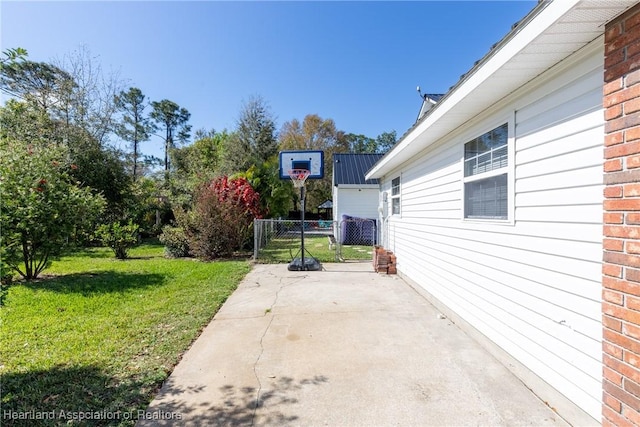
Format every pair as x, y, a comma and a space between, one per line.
43, 209
175, 242
221, 221
120, 238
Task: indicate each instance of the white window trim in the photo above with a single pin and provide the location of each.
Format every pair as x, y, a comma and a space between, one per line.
397, 196
509, 170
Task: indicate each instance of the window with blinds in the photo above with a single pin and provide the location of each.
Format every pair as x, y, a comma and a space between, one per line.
485, 175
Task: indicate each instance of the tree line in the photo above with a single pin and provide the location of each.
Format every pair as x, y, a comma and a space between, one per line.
86, 128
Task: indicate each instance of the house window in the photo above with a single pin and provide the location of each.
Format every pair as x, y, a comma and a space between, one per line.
395, 196
485, 175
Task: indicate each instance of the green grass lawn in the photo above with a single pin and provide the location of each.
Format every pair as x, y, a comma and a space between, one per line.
281, 250
100, 335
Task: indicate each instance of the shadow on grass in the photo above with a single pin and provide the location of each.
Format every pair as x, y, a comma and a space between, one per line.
97, 282
52, 397
85, 252
237, 406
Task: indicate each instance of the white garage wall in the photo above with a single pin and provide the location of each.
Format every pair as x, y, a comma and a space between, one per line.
360, 202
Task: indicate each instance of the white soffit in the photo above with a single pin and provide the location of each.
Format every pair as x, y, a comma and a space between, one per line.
551, 32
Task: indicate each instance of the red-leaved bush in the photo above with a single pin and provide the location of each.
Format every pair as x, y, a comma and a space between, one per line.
221, 221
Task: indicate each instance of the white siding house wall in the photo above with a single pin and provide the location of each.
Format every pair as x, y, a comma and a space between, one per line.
530, 284
360, 201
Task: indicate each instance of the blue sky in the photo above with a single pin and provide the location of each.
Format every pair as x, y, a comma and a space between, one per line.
357, 63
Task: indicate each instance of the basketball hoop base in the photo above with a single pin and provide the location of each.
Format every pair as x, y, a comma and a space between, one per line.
310, 264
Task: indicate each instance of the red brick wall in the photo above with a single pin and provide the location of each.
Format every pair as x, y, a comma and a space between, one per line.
621, 243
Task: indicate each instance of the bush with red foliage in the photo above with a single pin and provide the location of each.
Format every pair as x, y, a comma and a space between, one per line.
221, 221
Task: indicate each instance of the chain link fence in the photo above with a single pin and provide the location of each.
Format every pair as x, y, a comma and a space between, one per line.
278, 241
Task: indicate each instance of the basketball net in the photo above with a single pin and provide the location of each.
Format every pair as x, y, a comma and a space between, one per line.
299, 177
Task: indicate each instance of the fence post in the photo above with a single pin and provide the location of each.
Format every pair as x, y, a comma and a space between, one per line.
255, 239
338, 255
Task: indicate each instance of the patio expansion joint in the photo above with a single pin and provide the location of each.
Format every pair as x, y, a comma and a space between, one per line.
282, 285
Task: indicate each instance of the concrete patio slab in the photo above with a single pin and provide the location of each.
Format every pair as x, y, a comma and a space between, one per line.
340, 347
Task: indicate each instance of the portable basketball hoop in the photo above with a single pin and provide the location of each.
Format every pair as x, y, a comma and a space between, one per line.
301, 166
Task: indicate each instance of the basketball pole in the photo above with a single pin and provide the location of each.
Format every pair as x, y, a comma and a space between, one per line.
303, 207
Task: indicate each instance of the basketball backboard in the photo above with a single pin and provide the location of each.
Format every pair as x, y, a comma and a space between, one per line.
311, 160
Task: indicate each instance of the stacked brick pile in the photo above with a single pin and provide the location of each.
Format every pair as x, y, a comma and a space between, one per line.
384, 261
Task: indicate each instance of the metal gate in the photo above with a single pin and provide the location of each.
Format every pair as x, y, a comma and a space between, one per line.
356, 238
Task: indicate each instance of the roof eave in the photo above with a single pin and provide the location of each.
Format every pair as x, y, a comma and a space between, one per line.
439, 120
358, 186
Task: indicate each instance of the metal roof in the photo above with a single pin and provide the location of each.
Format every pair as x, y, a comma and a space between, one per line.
350, 169
551, 32
328, 204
